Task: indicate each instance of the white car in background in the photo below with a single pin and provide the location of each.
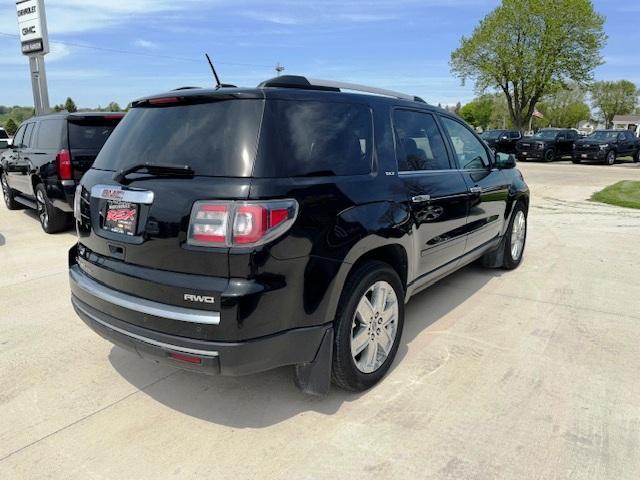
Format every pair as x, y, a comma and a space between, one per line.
5, 141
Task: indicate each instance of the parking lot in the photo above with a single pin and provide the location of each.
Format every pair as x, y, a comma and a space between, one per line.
526, 374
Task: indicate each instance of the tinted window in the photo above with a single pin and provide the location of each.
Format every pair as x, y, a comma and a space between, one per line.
469, 150
49, 134
419, 143
514, 135
630, 136
3, 134
303, 138
88, 137
215, 139
17, 140
26, 141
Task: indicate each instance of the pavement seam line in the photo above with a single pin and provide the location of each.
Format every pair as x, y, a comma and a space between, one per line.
48, 435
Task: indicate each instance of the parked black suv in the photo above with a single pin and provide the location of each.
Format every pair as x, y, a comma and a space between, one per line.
502, 141
606, 146
237, 230
547, 144
48, 157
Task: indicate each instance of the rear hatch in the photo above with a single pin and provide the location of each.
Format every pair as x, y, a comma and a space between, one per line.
142, 218
87, 135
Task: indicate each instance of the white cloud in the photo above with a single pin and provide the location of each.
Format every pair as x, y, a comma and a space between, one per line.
141, 43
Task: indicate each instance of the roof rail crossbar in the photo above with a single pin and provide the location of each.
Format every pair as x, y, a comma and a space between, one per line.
294, 81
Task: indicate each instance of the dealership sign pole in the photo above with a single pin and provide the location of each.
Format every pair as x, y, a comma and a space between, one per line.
34, 39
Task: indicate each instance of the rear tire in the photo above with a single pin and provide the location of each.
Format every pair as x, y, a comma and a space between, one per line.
368, 326
9, 195
636, 157
51, 219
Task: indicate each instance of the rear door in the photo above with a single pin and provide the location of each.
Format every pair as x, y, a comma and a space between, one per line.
10, 159
488, 187
435, 190
87, 135
22, 167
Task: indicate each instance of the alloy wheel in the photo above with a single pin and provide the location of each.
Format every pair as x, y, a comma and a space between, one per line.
611, 158
518, 235
42, 209
374, 327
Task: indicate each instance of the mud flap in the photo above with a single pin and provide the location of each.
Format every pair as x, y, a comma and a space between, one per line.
315, 378
495, 259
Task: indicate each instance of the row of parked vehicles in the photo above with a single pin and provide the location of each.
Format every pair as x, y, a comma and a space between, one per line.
234, 230
549, 144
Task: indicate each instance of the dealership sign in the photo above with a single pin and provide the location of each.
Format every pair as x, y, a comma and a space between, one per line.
32, 26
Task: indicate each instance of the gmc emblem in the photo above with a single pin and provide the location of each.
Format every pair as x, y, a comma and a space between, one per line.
199, 298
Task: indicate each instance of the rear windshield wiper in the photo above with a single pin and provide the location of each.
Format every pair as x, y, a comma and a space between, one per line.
155, 169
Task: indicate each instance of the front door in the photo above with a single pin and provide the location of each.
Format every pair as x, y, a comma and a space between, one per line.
488, 187
436, 192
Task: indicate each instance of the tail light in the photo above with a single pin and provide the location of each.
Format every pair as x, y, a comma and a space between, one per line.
63, 160
237, 224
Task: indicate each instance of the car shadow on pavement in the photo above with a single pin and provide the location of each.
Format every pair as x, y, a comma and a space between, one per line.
265, 399
33, 214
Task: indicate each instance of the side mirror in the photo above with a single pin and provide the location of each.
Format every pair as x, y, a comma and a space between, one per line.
505, 161
504, 137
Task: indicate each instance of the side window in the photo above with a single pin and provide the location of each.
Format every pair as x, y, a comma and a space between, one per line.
470, 152
26, 141
419, 143
630, 137
17, 140
515, 135
48, 135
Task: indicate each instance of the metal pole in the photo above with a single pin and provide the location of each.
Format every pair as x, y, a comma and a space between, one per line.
39, 84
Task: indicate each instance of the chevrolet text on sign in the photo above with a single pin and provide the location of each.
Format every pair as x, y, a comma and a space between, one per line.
32, 27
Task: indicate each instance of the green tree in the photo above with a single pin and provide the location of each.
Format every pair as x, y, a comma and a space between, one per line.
479, 111
113, 107
614, 98
565, 108
10, 127
70, 105
528, 48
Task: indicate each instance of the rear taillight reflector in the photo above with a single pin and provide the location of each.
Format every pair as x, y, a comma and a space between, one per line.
63, 159
185, 358
240, 223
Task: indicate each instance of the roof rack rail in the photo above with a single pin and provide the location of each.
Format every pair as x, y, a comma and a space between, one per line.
295, 81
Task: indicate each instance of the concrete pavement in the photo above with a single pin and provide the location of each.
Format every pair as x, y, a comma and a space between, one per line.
510, 375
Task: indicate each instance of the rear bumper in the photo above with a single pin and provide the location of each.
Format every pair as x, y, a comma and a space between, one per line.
534, 154
292, 347
62, 194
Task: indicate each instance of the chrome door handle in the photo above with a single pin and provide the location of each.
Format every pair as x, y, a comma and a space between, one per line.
421, 198
475, 190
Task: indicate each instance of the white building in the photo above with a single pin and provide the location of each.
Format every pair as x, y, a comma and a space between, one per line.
627, 122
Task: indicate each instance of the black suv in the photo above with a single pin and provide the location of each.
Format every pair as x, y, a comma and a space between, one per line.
606, 146
547, 144
48, 157
502, 141
237, 230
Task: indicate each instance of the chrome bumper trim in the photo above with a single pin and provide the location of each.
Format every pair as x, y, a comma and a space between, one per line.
150, 341
142, 305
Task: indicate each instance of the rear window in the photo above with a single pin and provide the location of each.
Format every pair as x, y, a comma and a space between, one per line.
214, 139
308, 138
90, 136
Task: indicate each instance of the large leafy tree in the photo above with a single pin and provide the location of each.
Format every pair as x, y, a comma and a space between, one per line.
528, 48
564, 108
614, 98
479, 111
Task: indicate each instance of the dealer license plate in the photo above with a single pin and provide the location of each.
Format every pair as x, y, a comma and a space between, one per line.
121, 217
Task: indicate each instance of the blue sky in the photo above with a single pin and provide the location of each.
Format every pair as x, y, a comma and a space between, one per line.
397, 44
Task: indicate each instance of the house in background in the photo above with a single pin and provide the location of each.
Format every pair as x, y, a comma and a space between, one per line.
627, 122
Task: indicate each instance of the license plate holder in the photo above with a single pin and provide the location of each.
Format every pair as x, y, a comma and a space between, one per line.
121, 217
